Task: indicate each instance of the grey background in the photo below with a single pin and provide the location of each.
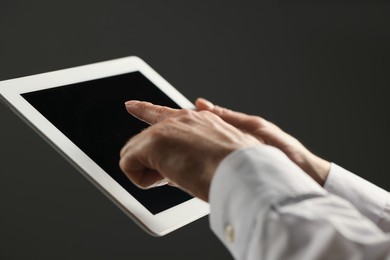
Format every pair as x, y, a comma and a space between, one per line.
317, 69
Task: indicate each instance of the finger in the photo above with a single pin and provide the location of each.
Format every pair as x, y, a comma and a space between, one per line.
172, 184
237, 119
151, 179
137, 169
144, 178
132, 142
149, 112
203, 104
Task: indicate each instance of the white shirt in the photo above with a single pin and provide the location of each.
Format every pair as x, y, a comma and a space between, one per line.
263, 206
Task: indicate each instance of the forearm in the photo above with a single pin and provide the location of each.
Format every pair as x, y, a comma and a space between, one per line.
369, 199
264, 206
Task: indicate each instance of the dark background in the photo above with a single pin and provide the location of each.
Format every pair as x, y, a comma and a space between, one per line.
318, 69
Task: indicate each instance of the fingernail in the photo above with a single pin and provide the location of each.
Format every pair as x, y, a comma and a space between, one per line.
207, 103
131, 103
159, 183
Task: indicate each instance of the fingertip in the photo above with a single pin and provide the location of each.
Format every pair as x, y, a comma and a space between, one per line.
131, 103
203, 104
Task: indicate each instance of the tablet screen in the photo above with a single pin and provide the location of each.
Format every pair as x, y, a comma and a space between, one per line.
92, 115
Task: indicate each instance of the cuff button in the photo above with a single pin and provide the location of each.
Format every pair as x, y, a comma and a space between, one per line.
229, 233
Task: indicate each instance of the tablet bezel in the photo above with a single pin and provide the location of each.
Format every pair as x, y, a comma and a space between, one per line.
11, 90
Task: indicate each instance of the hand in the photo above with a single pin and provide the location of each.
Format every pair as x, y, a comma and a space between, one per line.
182, 146
270, 134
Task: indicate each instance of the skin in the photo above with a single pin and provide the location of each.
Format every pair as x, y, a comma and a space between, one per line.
184, 147
270, 134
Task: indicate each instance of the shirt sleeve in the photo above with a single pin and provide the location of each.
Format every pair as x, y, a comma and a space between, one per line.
372, 201
263, 206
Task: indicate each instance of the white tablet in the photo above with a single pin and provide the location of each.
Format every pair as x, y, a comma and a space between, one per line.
81, 112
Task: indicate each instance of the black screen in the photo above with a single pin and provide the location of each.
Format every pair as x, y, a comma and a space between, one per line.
92, 115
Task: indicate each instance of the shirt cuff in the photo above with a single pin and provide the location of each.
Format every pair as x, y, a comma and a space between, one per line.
368, 198
246, 185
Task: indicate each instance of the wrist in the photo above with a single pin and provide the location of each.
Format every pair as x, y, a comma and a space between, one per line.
317, 168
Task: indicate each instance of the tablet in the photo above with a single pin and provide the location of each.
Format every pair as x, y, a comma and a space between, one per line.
81, 112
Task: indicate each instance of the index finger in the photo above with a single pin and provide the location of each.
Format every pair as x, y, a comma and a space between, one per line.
149, 112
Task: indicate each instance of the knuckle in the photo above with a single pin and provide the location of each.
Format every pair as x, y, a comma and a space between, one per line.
159, 135
206, 113
257, 122
185, 112
168, 122
221, 110
185, 115
160, 112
